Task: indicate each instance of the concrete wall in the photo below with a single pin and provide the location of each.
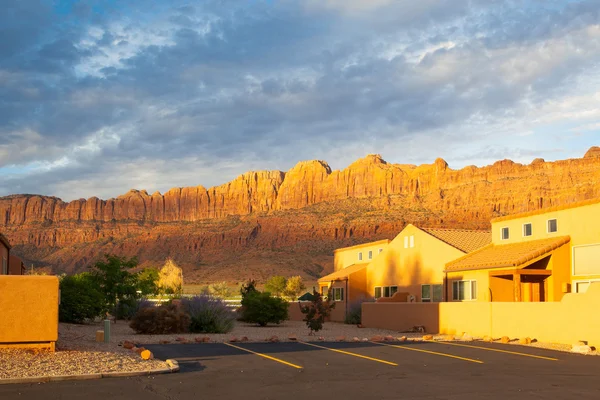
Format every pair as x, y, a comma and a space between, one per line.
409, 268
347, 256
570, 320
29, 309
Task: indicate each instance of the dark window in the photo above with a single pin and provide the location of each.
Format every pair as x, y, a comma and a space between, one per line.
527, 230
552, 226
505, 234
377, 292
370, 255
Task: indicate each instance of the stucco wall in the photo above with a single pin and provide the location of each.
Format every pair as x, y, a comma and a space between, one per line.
570, 320
29, 309
347, 256
412, 267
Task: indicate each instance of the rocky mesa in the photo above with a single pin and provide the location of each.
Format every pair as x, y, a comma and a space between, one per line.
286, 222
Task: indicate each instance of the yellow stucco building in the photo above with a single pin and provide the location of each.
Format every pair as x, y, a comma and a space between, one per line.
534, 256
408, 268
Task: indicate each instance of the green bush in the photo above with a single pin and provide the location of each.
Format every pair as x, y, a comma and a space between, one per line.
317, 311
127, 308
354, 316
164, 319
80, 299
260, 308
208, 315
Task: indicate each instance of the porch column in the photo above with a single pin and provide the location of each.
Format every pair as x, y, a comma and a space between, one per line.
517, 286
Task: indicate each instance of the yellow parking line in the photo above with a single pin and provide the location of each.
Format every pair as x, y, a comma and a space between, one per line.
350, 354
497, 350
430, 352
265, 356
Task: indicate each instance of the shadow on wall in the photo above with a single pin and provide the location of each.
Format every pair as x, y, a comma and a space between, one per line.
408, 273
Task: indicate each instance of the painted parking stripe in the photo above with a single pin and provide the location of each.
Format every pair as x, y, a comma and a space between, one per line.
496, 350
265, 356
430, 352
349, 353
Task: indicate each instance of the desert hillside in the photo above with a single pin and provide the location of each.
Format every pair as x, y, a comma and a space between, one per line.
274, 222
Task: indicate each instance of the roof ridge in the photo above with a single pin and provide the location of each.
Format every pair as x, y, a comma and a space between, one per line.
539, 211
457, 230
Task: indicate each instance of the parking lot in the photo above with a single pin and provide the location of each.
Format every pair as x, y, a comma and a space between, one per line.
295, 370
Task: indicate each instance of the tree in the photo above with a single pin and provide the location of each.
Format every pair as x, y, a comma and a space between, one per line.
220, 289
294, 287
147, 281
248, 287
316, 312
80, 299
170, 278
114, 279
260, 308
276, 285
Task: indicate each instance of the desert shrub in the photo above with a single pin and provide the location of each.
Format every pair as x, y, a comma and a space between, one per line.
80, 299
208, 315
128, 308
220, 289
316, 312
262, 309
164, 319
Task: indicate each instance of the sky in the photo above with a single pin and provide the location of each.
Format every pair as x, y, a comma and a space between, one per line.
98, 97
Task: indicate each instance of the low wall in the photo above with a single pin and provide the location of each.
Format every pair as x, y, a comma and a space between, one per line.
570, 320
29, 310
338, 314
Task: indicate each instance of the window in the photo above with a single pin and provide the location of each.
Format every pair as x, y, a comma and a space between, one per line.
4, 266
406, 242
385, 291
583, 286
359, 256
505, 234
324, 291
432, 293
552, 225
464, 290
585, 260
370, 255
412, 241
338, 294
527, 230
380, 251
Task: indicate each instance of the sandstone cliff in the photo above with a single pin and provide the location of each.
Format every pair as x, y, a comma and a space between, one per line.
271, 221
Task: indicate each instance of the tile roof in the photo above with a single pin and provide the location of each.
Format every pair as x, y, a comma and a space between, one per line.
506, 255
548, 209
344, 273
463, 239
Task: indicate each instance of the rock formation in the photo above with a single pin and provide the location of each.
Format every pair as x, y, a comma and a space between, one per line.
271, 221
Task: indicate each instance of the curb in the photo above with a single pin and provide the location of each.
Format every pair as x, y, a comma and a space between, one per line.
173, 367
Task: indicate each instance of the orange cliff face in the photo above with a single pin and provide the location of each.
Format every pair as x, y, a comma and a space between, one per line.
275, 211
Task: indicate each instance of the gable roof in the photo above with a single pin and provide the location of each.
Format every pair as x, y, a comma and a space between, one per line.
343, 273
463, 239
506, 255
548, 210
4, 240
357, 246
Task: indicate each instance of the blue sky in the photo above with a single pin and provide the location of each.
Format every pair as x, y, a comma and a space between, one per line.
98, 97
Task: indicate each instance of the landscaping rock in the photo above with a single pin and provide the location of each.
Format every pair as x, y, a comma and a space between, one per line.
365, 339
487, 339
321, 338
164, 341
244, 339
128, 345
340, 339
389, 338
427, 337
181, 339
525, 340
355, 339
449, 338
147, 355
376, 338
402, 339
581, 348
233, 340
505, 339
359, 326
292, 337
273, 339
467, 338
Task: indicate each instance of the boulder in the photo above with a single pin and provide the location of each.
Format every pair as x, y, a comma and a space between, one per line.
180, 339
581, 348
525, 340
164, 341
377, 338
147, 355
340, 338
505, 339
293, 338
402, 339
244, 339
365, 339
321, 339
273, 339
487, 339
427, 337
233, 339
389, 338
355, 339
467, 338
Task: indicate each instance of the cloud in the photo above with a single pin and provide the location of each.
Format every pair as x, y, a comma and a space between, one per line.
99, 99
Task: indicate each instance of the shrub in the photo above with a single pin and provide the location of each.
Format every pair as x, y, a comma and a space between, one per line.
80, 299
128, 308
147, 281
294, 286
276, 285
354, 316
114, 279
316, 312
260, 308
220, 289
208, 315
164, 319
